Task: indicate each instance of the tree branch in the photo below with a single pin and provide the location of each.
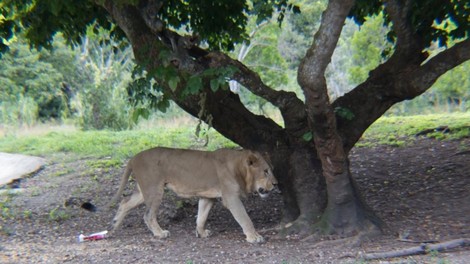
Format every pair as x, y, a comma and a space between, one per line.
149, 11
193, 65
245, 128
441, 63
409, 44
321, 117
398, 13
311, 73
248, 78
402, 77
394, 81
422, 249
313, 66
291, 107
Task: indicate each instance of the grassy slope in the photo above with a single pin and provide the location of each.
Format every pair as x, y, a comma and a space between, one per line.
115, 145
400, 130
121, 145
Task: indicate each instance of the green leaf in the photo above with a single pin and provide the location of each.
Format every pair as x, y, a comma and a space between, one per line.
229, 71
215, 85
173, 83
210, 72
55, 7
164, 55
163, 105
194, 85
307, 136
140, 112
344, 113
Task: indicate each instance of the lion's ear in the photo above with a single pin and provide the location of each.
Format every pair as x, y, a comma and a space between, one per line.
252, 159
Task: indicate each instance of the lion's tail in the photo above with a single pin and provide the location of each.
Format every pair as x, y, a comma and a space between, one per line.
124, 180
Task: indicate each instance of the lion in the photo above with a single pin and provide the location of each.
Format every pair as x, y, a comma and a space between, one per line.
226, 173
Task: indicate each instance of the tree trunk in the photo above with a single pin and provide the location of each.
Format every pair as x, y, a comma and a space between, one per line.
345, 213
308, 188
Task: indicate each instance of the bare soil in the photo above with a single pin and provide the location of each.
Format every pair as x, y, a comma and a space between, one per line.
421, 191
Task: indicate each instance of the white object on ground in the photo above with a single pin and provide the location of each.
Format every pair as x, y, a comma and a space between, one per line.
15, 166
92, 237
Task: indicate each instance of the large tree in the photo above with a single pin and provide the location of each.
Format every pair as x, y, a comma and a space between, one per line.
181, 45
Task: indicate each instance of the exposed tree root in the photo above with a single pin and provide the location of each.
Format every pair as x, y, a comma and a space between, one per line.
334, 241
356, 240
306, 230
421, 249
462, 153
299, 227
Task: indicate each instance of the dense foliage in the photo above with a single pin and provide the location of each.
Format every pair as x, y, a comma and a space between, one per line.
31, 86
49, 80
86, 84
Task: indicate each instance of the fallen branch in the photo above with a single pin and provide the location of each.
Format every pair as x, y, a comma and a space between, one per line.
426, 188
416, 242
443, 129
421, 249
462, 153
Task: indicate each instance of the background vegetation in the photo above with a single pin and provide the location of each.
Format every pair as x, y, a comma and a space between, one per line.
112, 148
117, 146
86, 85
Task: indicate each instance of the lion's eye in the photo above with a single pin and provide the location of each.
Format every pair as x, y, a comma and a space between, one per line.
266, 172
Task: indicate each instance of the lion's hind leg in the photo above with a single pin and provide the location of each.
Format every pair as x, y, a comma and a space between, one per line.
125, 206
204, 206
150, 216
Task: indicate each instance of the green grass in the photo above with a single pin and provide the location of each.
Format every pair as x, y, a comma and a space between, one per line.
58, 214
104, 164
113, 147
401, 130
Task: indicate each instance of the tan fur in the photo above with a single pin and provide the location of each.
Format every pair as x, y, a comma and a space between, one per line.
189, 173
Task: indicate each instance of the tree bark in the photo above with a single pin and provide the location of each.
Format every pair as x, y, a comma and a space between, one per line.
309, 186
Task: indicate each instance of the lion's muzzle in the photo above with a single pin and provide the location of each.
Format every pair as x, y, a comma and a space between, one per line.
263, 192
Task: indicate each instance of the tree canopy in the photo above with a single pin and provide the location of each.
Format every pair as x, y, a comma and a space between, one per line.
220, 24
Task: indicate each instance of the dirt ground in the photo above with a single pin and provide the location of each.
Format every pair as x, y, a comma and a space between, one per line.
422, 192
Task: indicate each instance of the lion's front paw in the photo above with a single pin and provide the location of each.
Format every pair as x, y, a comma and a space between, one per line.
164, 234
204, 233
254, 238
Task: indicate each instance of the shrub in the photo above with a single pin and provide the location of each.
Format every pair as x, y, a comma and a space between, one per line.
102, 107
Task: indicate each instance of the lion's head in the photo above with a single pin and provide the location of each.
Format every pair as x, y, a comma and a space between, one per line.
260, 177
